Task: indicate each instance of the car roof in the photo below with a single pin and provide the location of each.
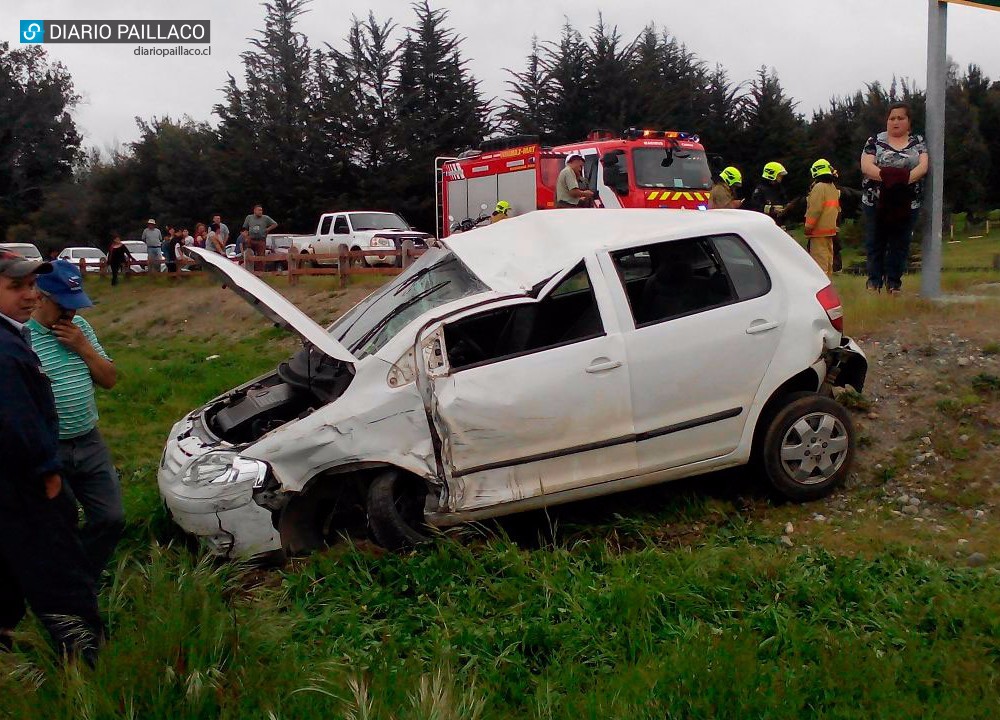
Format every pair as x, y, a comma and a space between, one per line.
518, 253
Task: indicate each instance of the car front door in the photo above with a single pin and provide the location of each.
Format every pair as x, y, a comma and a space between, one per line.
534, 397
704, 320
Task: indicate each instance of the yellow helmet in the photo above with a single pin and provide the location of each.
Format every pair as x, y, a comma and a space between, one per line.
821, 167
773, 171
502, 207
731, 176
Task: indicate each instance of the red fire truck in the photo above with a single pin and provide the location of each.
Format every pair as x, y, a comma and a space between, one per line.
636, 169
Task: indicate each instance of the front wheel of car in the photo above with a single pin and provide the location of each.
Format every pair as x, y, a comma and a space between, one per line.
396, 510
808, 447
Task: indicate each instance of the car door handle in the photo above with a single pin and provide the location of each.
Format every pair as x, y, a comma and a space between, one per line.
602, 364
759, 326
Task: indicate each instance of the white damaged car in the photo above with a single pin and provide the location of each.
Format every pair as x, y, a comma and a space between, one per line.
552, 357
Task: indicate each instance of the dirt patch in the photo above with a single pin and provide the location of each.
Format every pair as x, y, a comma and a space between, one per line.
929, 426
159, 309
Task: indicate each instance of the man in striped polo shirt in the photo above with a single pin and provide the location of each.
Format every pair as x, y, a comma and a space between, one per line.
74, 361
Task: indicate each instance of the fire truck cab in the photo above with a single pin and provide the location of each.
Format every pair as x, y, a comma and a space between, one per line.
636, 169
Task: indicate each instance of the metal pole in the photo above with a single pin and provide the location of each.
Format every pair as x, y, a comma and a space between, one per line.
937, 75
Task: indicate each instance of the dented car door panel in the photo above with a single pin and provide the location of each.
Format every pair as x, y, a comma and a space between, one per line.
541, 421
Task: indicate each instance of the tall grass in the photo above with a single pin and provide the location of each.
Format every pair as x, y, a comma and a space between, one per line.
735, 628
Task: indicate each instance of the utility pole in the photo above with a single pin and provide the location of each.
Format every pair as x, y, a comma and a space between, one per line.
937, 77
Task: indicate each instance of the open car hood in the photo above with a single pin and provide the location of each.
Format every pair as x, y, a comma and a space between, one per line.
270, 303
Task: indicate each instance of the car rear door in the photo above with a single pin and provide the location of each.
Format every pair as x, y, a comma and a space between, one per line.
701, 319
322, 243
534, 397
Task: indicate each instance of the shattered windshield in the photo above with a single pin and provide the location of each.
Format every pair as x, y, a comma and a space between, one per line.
689, 169
377, 221
437, 278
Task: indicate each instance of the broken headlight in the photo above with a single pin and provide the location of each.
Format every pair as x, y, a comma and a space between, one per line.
223, 468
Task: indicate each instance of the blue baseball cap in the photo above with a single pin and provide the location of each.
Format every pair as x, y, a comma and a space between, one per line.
65, 286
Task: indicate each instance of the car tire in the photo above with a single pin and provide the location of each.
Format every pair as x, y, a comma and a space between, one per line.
808, 447
396, 510
315, 520
360, 262
305, 259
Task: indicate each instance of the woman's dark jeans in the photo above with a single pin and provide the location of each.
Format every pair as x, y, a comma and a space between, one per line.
887, 247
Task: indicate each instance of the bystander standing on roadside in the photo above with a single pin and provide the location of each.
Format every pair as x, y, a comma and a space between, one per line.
74, 361
223, 230
42, 562
118, 256
200, 233
258, 225
169, 244
213, 241
176, 251
893, 165
154, 241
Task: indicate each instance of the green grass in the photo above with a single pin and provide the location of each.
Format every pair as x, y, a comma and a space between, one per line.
613, 618
733, 628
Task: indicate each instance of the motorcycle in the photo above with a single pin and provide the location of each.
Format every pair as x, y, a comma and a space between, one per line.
469, 223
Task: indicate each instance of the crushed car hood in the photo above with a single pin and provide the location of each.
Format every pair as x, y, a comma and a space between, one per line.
270, 303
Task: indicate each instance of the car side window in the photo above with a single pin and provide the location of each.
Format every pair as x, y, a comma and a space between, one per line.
745, 271
568, 314
673, 279
340, 226
324, 228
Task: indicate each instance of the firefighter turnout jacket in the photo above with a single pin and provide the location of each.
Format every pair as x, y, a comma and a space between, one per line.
822, 209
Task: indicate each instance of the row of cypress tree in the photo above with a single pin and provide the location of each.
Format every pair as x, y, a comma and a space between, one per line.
305, 129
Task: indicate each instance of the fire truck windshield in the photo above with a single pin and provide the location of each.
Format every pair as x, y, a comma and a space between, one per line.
689, 169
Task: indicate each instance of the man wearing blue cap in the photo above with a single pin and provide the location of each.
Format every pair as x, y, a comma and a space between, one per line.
42, 562
74, 361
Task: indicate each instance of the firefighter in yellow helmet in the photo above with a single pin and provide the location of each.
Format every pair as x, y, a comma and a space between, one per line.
500, 212
822, 214
726, 189
769, 195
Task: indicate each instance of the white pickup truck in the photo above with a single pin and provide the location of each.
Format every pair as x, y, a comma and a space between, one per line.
362, 230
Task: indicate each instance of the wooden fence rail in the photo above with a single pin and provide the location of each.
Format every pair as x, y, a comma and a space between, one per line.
342, 264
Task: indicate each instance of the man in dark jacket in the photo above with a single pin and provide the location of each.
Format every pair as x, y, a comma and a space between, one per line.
42, 562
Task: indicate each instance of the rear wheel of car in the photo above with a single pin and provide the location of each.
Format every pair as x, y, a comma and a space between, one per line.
808, 447
396, 510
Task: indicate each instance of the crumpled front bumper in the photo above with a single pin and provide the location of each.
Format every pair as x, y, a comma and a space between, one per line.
224, 517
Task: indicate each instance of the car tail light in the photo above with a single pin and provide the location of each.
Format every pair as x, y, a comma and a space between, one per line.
830, 301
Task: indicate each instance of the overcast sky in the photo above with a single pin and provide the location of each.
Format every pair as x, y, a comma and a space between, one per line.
819, 48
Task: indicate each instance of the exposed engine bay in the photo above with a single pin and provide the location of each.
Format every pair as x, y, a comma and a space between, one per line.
306, 382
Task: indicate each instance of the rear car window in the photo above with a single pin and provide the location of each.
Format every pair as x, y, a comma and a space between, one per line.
745, 271
681, 277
